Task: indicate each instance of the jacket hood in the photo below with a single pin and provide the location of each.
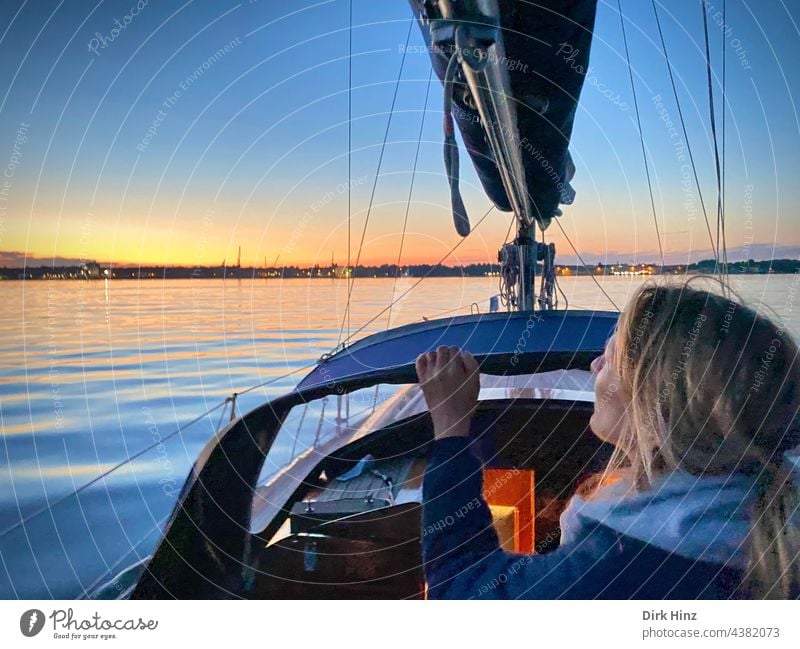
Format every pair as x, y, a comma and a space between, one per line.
699, 518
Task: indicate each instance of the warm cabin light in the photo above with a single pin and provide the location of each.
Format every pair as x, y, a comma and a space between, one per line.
510, 496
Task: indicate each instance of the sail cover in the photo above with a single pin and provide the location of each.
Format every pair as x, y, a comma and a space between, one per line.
546, 54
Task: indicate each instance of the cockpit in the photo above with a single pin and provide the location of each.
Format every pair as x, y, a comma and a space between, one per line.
342, 518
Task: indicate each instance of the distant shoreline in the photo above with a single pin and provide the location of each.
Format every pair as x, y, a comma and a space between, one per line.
92, 270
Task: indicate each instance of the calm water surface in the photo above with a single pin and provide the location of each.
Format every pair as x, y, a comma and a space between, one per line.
94, 372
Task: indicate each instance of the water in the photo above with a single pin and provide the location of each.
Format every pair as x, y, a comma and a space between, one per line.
96, 371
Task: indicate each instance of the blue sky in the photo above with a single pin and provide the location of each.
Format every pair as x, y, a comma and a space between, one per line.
153, 147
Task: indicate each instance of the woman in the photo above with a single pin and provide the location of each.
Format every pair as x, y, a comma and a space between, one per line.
700, 397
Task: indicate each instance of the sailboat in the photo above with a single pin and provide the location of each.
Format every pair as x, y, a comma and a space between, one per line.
341, 517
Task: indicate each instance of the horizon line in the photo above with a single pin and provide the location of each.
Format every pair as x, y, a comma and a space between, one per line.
128, 265
764, 252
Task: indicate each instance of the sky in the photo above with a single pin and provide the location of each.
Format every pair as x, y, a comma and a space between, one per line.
135, 132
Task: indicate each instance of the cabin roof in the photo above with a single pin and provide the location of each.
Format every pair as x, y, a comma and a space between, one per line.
504, 343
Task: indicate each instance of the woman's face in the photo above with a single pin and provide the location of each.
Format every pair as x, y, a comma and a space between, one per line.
610, 417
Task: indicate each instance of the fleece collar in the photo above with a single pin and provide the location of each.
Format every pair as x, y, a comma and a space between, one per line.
703, 519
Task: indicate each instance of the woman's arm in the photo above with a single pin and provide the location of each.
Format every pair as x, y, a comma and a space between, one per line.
460, 548
457, 530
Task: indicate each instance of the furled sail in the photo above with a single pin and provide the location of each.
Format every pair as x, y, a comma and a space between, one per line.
513, 72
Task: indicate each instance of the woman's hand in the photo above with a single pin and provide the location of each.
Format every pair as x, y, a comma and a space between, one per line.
450, 381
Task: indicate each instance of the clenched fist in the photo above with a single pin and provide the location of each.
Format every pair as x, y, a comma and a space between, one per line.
450, 381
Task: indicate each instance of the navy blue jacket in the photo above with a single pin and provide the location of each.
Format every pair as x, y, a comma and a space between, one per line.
671, 543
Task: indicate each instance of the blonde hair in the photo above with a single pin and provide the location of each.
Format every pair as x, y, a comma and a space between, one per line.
714, 389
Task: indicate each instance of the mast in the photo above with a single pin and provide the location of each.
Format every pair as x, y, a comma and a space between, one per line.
474, 28
513, 98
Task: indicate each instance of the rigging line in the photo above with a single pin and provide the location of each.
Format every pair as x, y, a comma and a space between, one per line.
641, 133
349, 149
377, 177
544, 267
221, 414
564, 295
683, 127
105, 474
299, 430
420, 280
510, 225
276, 379
724, 112
711, 112
145, 450
410, 193
578, 255
712, 117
